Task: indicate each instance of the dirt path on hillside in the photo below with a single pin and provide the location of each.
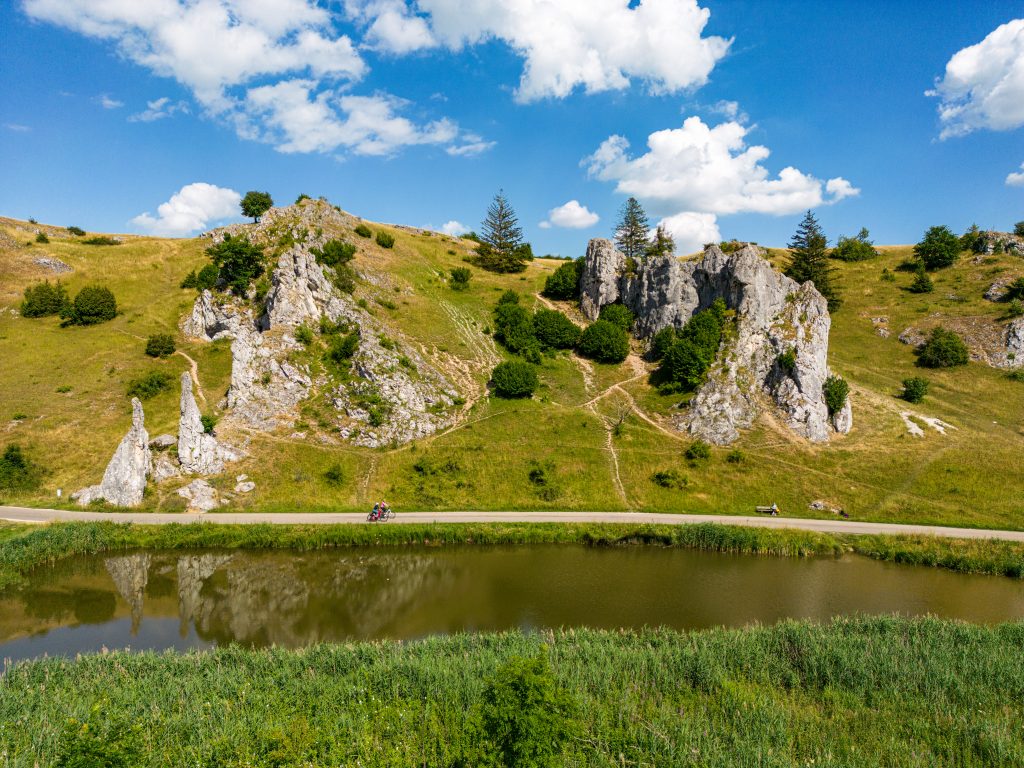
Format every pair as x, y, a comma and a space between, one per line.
194, 373
28, 515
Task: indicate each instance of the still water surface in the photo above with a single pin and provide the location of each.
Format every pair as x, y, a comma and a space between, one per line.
200, 599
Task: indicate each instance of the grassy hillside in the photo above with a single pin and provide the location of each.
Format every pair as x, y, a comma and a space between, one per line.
878, 472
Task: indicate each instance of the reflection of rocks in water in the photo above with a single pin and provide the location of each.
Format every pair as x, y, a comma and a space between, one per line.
193, 571
130, 574
294, 600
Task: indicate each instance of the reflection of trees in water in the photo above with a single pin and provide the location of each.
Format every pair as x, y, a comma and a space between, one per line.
298, 599
130, 574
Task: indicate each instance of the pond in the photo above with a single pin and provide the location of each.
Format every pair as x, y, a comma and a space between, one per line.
179, 600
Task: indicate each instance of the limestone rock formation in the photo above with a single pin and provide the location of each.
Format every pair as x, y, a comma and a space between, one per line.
162, 442
774, 314
1014, 337
164, 468
198, 452
211, 320
124, 480
1000, 242
201, 496
300, 291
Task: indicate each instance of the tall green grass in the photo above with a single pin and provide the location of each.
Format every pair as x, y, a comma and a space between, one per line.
853, 692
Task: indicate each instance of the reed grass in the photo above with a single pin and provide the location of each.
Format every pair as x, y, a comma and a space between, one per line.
852, 692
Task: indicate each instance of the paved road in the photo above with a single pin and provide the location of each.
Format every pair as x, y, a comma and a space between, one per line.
28, 515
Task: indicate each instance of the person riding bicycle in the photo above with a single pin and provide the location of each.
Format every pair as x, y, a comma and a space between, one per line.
378, 510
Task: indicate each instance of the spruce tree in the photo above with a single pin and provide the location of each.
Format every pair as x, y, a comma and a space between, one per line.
808, 260
661, 244
501, 238
631, 231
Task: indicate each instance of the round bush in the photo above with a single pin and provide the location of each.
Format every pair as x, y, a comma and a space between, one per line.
160, 345
514, 378
385, 240
619, 315
93, 304
554, 330
662, 342
914, 389
938, 248
943, 349
564, 282
605, 342
836, 391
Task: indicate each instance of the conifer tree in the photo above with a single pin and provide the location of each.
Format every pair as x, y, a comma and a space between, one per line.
661, 243
808, 260
631, 231
502, 248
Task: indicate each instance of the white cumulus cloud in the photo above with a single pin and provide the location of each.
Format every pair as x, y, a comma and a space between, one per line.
108, 102
692, 230
391, 25
158, 109
572, 215
190, 209
1016, 179
598, 45
983, 86
709, 170
454, 228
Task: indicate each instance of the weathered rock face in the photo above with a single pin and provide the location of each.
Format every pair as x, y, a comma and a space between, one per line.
210, 319
124, 480
300, 292
201, 496
773, 315
198, 452
1000, 242
1015, 344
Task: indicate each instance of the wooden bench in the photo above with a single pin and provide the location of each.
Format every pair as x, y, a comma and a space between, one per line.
772, 510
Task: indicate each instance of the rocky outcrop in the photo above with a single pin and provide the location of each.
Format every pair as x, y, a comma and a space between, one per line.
1014, 338
211, 320
774, 314
991, 242
124, 481
198, 452
200, 495
300, 292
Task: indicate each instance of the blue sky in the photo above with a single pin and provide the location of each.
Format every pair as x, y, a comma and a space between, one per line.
151, 115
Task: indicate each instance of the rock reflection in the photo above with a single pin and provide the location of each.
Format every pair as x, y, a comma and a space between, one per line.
130, 574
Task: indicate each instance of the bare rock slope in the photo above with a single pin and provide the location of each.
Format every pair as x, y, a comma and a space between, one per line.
774, 314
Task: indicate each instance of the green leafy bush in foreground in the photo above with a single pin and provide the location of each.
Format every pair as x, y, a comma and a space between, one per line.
44, 299
363, 231
914, 389
160, 345
943, 349
94, 304
149, 385
604, 342
514, 378
17, 472
385, 240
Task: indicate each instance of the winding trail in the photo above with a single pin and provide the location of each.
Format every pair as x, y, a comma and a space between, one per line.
30, 515
194, 368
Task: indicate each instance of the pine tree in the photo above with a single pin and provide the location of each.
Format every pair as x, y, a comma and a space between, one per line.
808, 260
661, 243
502, 248
631, 231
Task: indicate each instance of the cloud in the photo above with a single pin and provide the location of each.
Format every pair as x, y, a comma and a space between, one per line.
275, 70
730, 110
709, 170
17, 127
158, 110
107, 102
572, 215
1016, 179
471, 146
983, 86
190, 209
691, 230
454, 228
598, 45
299, 120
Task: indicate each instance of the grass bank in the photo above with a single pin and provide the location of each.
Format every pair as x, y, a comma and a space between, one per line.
23, 548
853, 692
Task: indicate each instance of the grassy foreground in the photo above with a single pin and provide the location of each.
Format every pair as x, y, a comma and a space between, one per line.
854, 692
23, 548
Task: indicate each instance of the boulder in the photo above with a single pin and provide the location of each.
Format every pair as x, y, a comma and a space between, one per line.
245, 486
164, 468
201, 496
198, 452
124, 480
162, 442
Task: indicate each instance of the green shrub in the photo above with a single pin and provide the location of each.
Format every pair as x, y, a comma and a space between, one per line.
619, 315
787, 360
93, 304
943, 349
670, 478
1016, 375
1015, 308
735, 456
103, 741
698, 450
687, 361
914, 389
342, 348
334, 253
836, 391
513, 327
1014, 291
255, 204
938, 248
554, 330
76, 231
564, 282
101, 240
209, 422
460, 277
150, 385
385, 240
859, 248
1018, 229
514, 378
189, 281
42, 238
525, 718
302, 196
304, 335
888, 276
605, 342
238, 261
205, 280
334, 475
160, 345
44, 299
922, 283
363, 231
662, 342
508, 297
17, 472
